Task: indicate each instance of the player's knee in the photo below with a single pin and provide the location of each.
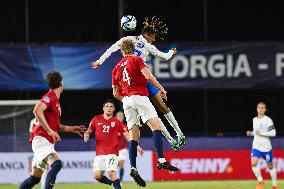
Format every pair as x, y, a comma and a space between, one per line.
97, 176
253, 163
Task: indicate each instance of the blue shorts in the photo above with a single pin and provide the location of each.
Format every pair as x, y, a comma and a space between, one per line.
267, 156
152, 90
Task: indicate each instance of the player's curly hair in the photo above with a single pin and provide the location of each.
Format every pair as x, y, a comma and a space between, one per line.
154, 26
127, 47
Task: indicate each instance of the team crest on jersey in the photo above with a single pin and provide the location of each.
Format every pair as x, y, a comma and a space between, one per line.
112, 124
46, 99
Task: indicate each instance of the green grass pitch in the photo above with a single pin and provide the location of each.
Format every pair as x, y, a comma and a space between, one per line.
234, 184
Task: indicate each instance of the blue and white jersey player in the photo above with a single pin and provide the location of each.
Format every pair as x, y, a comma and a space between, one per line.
144, 47
263, 129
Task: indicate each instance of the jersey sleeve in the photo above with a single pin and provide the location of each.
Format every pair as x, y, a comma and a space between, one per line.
121, 128
114, 80
111, 50
141, 63
47, 100
154, 51
270, 125
92, 125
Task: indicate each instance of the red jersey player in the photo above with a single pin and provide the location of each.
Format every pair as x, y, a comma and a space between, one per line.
106, 128
130, 76
45, 133
122, 147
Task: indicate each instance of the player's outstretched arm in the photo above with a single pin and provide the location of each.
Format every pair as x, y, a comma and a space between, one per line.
271, 133
156, 52
38, 112
107, 54
147, 74
73, 129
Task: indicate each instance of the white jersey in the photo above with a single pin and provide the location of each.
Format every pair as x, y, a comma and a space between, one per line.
142, 49
265, 126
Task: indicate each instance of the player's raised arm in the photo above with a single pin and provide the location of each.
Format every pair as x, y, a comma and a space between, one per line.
107, 54
38, 112
154, 51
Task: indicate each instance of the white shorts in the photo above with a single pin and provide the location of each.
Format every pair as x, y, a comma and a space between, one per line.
105, 163
138, 106
41, 148
123, 153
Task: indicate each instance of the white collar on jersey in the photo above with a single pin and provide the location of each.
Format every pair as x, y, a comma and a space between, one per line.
143, 39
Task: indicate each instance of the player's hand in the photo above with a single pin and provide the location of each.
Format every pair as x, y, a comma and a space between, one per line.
140, 150
175, 50
78, 130
55, 136
163, 94
249, 133
86, 137
96, 64
257, 132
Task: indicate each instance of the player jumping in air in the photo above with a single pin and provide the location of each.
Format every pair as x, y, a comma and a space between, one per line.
263, 128
122, 147
143, 47
130, 76
106, 128
45, 133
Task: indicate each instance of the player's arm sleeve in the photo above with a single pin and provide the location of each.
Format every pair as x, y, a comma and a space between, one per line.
141, 63
110, 50
154, 51
271, 133
92, 125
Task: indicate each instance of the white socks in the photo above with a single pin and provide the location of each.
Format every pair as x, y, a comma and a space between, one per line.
165, 131
273, 176
161, 160
171, 119
257, 173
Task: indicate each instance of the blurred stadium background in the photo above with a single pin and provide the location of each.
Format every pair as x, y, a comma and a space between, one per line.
230, 56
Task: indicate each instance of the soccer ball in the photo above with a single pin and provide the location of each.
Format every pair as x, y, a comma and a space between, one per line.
128, 22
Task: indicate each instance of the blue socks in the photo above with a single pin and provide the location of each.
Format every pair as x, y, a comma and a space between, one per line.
116, 184
29, 182
158, 143
133, 152
51, 175
105, 180
121, 172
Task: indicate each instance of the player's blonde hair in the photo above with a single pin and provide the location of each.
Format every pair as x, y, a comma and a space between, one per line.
127, 47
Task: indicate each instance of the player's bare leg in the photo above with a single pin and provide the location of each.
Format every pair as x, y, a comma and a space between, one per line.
158, 101
134, 134
257, 173
273, 175
158, 144
99, 176
115, 180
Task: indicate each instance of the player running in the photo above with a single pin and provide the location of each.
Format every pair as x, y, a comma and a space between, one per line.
130, 76
143, 47
106, 128
45, 133
122, 147
263, 128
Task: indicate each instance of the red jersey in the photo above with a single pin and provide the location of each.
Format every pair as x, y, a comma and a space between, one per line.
127, 74
121, 140
106, 134
52, 115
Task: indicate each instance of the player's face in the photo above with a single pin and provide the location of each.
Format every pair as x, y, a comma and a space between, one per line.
150, 38
261, 109
120, 116
108, 109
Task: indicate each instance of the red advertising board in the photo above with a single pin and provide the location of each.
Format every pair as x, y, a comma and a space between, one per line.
215, 164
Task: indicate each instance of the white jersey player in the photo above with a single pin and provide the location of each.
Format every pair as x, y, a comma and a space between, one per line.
144, 47
263, 129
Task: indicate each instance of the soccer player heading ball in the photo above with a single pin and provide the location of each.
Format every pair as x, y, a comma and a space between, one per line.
143, 47
129, 80
263, 128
